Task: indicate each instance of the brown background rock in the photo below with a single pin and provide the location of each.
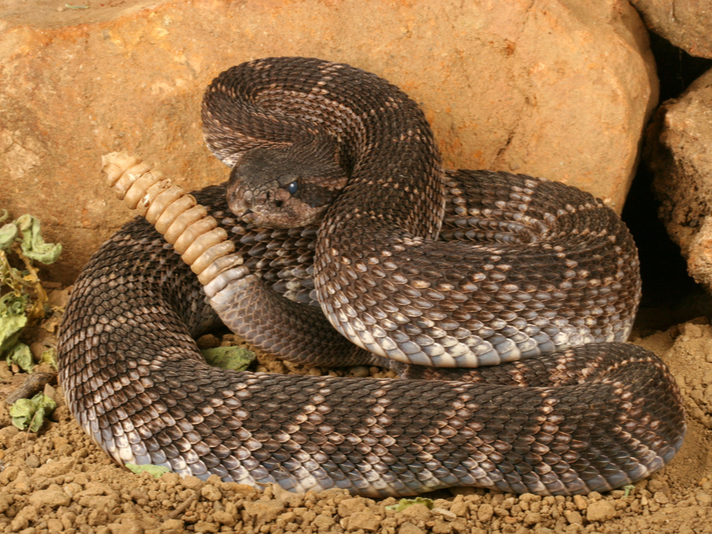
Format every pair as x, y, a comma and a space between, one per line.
685, 23
678, 152
559, 89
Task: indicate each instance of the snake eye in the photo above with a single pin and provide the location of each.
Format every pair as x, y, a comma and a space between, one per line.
292, 188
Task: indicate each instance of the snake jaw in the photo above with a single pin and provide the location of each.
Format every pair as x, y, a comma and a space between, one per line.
248, 216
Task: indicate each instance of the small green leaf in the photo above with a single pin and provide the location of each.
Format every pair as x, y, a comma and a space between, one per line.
8, 233
22, 411
10, 328
31, 413
236, 358
155, 470
46, 402
21, 356
49, 357
405, 503
11, 304
33, 244
628, 489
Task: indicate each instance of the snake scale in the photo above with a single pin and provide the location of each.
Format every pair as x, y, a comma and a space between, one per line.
338, 211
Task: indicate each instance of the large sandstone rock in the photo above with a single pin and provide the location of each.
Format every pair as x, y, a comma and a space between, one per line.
678, 152
554, 88
685, 23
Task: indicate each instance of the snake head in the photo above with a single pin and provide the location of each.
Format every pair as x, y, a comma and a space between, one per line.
280, 187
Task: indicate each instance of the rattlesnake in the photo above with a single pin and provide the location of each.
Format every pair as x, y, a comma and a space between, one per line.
414, 264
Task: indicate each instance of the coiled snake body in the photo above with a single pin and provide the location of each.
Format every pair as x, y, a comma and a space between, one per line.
414, 265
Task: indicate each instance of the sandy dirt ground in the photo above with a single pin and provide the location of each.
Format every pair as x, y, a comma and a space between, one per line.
58, 481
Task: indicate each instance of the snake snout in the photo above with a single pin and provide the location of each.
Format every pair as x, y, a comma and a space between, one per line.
241, 203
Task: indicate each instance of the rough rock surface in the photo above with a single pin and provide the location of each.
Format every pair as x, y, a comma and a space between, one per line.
685, 23
556, 88
678, 152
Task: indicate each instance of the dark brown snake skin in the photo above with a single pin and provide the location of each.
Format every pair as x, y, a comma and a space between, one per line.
458, 269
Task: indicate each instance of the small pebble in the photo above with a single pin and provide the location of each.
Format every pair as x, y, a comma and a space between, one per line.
211, 493
574, 518
51, 498
703, 498
580, 502
661, 498
365, 521
447, 514
485, 512
409, 528
206, 527
600, 511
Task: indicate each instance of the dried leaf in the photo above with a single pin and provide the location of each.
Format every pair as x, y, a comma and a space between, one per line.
49, 357
235, 358
21, 356
405, 503
33, 244
31, 413
155, 470
8, 233
10, 327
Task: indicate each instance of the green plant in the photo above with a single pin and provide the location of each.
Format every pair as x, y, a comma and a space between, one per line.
30, 414
22, 297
